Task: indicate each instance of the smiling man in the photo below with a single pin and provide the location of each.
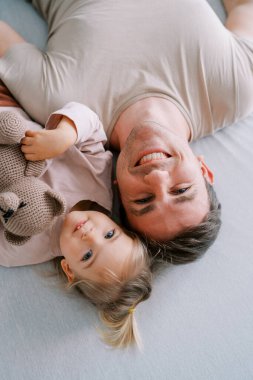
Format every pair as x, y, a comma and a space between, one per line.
161, 182
163, 185
159, 74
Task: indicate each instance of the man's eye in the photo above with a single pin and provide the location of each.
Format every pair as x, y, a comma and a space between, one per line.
143, 200
110, 234
181, 191
87, 255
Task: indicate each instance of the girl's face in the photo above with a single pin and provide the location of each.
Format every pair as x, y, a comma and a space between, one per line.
92, 245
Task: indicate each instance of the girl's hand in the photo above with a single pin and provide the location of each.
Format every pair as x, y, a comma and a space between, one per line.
40, 145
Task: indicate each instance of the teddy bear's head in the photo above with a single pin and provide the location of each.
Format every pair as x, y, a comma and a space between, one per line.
28, 206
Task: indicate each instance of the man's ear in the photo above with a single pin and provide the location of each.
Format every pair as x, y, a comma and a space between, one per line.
66, 269
206, 171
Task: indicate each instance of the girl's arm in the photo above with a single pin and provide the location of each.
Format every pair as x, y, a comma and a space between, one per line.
73, 124
88, 126
44, 144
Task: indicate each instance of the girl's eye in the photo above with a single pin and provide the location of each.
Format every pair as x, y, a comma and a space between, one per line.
143, 200
110, 234
181, 191
87, 255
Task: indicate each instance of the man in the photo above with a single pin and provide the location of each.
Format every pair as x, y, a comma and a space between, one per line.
159, 76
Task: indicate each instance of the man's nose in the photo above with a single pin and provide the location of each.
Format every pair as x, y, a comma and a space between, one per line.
158, 179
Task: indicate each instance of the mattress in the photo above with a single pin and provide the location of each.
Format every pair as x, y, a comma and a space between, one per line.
198, 323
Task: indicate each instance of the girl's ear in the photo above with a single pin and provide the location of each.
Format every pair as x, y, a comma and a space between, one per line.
206, 171
66, 269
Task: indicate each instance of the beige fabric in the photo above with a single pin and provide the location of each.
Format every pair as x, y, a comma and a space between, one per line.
109, 54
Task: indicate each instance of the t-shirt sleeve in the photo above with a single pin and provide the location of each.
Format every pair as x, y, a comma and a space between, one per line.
90, 132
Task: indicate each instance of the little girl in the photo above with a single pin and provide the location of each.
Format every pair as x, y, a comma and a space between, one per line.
109, 265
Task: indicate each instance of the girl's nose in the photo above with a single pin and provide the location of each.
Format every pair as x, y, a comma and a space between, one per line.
88, 233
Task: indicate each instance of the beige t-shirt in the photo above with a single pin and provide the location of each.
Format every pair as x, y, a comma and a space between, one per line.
109, 54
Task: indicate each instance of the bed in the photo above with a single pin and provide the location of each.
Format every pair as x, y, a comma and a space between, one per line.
198, 323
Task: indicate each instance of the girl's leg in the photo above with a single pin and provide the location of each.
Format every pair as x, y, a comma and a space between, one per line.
6, 99
8, 103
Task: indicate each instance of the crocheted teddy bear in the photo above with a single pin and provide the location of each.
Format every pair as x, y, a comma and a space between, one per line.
27, 205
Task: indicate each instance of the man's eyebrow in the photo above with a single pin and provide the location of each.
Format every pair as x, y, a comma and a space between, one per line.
178, 199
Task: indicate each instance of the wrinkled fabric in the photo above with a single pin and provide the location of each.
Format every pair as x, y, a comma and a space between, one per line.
110, 54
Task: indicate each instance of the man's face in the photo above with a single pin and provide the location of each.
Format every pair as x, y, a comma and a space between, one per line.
161, 182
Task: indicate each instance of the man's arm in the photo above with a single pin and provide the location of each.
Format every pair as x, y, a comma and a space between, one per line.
240, 17
8, 37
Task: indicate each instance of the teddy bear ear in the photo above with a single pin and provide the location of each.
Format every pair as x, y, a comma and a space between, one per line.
59, 202
15, 239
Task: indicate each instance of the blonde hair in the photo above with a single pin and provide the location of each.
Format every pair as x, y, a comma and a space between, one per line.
117, 299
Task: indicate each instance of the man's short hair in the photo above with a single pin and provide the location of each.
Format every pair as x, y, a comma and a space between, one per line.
191, 243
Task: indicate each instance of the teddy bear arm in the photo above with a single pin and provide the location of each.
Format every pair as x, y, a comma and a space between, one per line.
34, 168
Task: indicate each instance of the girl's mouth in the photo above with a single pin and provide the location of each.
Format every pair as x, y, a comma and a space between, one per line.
79, 225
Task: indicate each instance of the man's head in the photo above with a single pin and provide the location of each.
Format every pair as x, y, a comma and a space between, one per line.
162, 183
192, 243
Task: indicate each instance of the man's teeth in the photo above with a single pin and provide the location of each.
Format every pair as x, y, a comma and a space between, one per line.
152, 157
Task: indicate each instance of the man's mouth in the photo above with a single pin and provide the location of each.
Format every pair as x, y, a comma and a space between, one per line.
151, 157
